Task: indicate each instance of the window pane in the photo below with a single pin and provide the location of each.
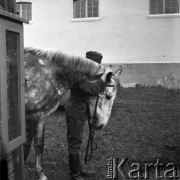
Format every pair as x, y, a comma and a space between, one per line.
171, 6
90, 3
90, 9
77, 6
160, 10
175, 10
29, 15
17, 7
160, 7
12, 50
83, 3
77, 15
24, 14
153, 3
175, 3
153, 11
95, 3
24, 10
29, 7
168, 3
156, 7
24, 7
79, 9
83, 14
83, 6
90, 14
95, 8
168, 10
2, 4
95, 14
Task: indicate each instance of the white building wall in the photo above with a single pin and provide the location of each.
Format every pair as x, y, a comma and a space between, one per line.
124, 33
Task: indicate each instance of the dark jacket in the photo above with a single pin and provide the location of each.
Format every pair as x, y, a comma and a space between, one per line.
85, 90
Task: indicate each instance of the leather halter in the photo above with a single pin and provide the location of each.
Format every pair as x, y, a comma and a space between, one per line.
91, 142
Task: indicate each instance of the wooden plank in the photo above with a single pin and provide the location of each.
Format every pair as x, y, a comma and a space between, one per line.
14, 27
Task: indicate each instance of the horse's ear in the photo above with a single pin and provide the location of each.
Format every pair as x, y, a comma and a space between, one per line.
118, 73
108, 76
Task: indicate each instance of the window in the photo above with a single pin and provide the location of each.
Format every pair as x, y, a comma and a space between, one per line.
164, 6
86, 8
12, 48
2, 4
7, 5
24, 9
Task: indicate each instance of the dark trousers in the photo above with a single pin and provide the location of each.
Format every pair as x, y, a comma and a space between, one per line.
76, 115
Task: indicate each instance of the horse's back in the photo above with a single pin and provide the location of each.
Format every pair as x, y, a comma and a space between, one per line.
41, 92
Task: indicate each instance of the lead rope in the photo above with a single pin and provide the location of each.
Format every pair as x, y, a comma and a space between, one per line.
91, 142
92, 131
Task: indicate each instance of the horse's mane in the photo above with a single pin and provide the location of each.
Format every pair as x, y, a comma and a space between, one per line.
74, 63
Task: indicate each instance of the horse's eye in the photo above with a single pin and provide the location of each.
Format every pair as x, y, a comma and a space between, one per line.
102, 93
108, 97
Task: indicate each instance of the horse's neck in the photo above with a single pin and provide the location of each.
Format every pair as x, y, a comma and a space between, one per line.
71, 69
66, 77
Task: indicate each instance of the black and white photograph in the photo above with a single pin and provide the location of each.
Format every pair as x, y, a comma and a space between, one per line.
89, 89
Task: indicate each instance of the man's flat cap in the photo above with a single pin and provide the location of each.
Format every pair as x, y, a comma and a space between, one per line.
95, 56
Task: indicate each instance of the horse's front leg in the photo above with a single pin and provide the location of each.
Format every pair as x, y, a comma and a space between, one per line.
39, 147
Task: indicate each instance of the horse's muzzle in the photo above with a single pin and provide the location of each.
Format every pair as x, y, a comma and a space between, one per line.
98, 127
95, 120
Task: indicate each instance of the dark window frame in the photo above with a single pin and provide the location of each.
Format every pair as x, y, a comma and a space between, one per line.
24, 10
159, 7
8, 5
85, 9
2, 4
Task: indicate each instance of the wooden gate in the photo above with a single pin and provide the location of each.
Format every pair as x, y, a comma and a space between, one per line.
12, 109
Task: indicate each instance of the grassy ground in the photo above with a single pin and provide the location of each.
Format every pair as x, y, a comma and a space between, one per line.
144, 126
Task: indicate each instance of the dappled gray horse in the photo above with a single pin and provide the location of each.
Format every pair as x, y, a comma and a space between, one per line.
48, 75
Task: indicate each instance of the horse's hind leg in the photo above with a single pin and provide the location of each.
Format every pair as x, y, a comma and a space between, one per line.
30, 131
39, 147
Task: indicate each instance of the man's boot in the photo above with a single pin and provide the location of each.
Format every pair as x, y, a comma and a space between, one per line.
86, 173
74, 167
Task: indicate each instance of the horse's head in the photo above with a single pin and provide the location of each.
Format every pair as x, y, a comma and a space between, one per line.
101, 106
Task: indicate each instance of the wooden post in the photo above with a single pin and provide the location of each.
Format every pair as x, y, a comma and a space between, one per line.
11, 33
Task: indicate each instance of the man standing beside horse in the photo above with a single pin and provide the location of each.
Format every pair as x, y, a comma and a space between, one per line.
77, 112
49, 74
